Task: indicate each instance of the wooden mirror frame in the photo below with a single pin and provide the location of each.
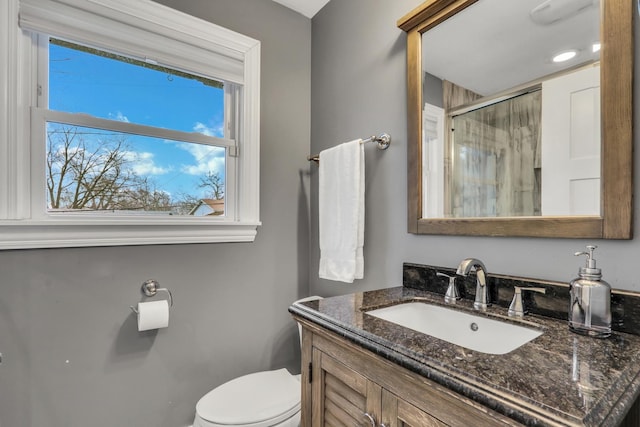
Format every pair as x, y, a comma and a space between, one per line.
616, 219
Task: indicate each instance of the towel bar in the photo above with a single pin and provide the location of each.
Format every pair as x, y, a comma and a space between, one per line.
384, 140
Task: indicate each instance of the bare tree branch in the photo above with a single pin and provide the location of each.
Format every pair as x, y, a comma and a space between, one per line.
85, 172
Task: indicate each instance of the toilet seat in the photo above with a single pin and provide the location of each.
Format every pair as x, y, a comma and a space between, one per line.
261, 399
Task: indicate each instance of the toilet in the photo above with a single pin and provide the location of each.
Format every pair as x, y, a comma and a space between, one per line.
260, 399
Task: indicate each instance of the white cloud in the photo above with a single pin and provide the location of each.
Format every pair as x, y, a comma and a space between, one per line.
143, 163
119, 117
206, 158
209, 131
214, 165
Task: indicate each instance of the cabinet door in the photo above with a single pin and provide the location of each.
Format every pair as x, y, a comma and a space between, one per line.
341, 396
346, 382
398, 413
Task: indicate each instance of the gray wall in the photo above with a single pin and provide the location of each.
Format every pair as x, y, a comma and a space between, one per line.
72, 353
358, 89
432, 90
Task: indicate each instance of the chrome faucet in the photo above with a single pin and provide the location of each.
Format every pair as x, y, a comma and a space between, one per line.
464, 268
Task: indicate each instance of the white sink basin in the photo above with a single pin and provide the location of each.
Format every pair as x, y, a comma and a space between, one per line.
476, 333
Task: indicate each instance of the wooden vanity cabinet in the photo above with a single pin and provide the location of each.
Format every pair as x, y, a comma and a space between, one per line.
344, 397
346, 385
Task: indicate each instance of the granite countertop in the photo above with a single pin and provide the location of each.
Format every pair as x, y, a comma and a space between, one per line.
559, 378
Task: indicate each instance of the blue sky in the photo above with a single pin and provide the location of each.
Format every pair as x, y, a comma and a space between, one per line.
80, 82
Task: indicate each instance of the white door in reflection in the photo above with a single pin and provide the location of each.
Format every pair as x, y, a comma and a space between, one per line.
571, 144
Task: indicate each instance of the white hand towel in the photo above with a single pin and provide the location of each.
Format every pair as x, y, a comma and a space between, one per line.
341, 212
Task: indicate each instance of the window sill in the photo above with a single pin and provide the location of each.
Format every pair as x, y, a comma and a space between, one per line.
61, 234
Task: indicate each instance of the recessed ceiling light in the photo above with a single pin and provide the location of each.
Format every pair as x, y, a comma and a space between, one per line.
595, 47
565, 56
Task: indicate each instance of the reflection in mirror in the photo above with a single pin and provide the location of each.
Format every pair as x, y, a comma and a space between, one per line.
495, 159
503, 146
519, 132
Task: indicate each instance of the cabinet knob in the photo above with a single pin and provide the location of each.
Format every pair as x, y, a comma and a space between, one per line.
371, 419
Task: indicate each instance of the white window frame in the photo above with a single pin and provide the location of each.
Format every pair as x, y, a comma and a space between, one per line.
189, 44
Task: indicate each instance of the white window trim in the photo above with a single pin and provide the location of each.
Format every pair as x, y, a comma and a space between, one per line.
20, 225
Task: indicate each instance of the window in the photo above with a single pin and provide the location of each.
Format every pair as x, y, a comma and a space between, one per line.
137, 131
112, 167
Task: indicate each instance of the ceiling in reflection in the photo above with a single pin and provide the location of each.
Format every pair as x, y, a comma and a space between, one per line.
516, 43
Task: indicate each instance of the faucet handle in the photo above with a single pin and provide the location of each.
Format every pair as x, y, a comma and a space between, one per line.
516, 309
452, 294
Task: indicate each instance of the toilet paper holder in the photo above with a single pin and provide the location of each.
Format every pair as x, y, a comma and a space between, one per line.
150, 288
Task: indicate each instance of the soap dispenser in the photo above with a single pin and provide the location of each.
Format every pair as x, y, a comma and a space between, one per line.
590, 305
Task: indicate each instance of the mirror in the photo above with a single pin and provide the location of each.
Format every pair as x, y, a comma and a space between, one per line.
606, 215
531, 99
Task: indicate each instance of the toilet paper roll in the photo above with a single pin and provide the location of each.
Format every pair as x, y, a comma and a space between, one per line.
153, 315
